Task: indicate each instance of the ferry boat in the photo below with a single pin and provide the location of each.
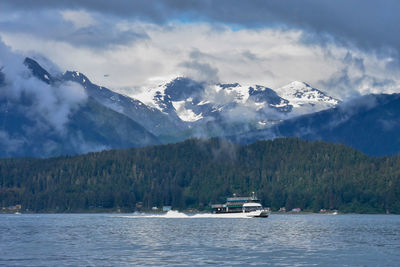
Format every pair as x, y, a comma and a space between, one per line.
248, 206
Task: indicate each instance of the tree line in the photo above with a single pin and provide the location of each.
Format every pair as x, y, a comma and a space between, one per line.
286, 172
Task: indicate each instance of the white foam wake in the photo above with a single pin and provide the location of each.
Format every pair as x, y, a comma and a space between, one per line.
176, 214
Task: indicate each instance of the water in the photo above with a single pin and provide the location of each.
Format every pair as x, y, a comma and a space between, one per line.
134, 240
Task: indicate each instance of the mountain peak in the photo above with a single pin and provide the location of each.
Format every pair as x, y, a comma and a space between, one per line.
76, 76
297, 86
37, 70
301, 94
182, 88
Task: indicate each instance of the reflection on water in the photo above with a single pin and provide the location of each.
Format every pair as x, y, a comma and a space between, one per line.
126, 240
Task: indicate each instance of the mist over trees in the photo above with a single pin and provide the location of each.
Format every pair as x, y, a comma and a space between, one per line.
286, 172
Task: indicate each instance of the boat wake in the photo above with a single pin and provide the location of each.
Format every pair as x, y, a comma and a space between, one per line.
173, 214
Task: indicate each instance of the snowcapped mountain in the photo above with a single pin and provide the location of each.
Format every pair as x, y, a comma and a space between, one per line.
170, 112
306, 99
183, 107
149, 117
199, 103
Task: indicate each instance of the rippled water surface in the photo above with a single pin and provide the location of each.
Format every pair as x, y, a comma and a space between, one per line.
126, 240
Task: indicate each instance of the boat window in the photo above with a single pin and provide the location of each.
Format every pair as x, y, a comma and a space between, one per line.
254, 208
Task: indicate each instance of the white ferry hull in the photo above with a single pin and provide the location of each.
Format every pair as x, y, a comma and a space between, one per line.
258, 213
251, 214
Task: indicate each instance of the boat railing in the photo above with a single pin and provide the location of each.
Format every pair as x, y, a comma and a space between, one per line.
215, 206
233, 199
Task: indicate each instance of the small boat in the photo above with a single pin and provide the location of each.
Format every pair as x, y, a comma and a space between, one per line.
247, 206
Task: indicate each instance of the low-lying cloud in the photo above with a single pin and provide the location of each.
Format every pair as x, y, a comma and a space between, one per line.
49, 103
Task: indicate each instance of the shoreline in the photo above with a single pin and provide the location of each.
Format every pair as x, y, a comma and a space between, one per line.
182, 211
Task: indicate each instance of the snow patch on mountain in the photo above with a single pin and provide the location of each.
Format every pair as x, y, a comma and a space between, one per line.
306, 99
151, 96
185, 114
190, 101
238, 92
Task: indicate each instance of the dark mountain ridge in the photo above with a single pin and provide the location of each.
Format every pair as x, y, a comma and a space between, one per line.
181, 110
66, 126
369, 124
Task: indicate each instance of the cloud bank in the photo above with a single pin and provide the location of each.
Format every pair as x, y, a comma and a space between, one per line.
48, 106
366, 22
346, 48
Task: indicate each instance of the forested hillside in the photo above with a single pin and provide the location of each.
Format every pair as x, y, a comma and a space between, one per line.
285, 172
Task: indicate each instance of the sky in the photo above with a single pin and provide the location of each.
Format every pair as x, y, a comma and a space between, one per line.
344, 47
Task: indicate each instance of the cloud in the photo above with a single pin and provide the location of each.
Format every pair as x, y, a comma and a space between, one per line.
51, 103
79, 18
270, 43
75, 27
198, 71
9, 144
9, 62
225, 150
365, 22
359, 75
162, 55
